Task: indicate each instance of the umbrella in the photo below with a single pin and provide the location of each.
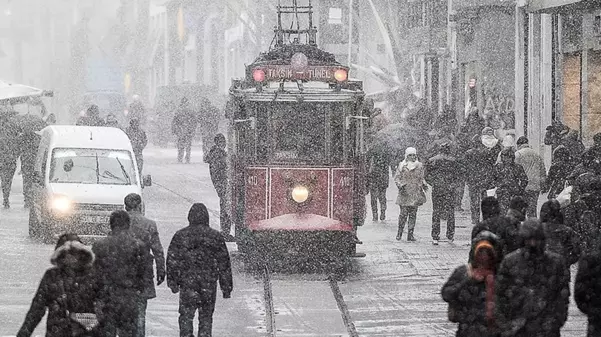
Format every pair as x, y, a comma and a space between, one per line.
17, 92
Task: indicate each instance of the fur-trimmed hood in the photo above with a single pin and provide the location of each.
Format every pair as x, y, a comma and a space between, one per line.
83, 253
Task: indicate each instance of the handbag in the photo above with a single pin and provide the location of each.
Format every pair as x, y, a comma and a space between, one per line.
80, 322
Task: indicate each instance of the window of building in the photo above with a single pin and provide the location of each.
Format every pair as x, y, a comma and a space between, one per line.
426, 13
335, 16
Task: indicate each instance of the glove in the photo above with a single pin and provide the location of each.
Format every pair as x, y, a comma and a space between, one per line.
174, 289
160, 278
227, 295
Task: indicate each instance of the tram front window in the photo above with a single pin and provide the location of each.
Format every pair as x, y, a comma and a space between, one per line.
298, 133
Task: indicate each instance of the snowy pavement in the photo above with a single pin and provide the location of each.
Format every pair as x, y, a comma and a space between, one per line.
393, 291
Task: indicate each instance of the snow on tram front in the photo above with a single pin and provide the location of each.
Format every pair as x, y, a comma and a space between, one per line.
297, 177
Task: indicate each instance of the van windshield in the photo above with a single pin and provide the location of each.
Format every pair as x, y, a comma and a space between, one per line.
92, 166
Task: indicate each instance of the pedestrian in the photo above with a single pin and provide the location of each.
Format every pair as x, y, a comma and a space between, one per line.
473, 125
111, 121
587, 290
441, 172
561, 239
121, 267
532, 288
560, 134
92, 117
409, 178
561, 167
510, 179
217, 160
516, 215
378, 176
138, 139
184, 128
68, 291
534, 166
196, 260
478, 174
470, 291
29, 142
136, 110
145, 230
8, 153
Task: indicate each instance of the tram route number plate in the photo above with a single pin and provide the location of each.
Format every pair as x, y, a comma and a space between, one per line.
97, 219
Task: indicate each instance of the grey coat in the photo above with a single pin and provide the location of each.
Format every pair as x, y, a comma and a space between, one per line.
146, 231
410, 184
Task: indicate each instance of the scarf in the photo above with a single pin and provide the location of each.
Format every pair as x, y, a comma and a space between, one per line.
489, 141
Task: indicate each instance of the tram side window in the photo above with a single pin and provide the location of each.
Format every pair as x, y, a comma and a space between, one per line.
337, 135
262, 131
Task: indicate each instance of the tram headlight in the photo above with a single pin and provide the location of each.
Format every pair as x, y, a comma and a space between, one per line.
300, 194
341, 75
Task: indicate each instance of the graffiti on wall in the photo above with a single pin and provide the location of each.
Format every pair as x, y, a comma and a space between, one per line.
499, 108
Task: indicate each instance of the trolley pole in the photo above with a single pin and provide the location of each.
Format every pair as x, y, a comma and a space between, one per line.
350, 32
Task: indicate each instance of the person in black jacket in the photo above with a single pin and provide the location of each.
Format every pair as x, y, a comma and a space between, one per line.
138, 139
217, 160
510, 179
587, 290
9, 152
532, 288
196, 260
470, 290
560, 170
441, 172
561, 239
378, 176
121, 267
69, 286
92, 117
183, 127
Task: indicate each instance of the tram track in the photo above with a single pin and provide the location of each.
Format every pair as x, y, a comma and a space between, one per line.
271, 314
183, 197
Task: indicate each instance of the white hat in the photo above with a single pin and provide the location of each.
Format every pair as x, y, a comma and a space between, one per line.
410, 150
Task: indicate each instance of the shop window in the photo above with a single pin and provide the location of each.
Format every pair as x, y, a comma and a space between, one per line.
571, 90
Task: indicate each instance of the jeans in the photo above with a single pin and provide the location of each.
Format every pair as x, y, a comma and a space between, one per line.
531, 198
476, 195
443, 207
189, 302
407, 212
378, 194
184, 146
141, 322
7, 173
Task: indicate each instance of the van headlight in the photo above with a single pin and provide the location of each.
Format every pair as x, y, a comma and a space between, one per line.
300, 194
61, 204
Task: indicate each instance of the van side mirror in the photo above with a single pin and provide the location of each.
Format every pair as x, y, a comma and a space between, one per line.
147, 180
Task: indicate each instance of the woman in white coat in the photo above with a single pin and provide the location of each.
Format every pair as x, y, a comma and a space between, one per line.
409, 178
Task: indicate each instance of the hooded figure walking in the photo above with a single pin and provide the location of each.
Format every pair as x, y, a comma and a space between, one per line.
510, 179
196, 260
470, 291
409, 179
67, 290
184, 127
533, 288
217, 160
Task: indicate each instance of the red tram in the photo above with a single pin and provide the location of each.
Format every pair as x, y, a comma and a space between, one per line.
296, 148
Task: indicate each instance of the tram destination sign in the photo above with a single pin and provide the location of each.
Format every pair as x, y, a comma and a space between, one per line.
310, 73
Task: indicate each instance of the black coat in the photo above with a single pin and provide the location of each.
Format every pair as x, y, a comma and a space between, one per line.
121, 263
217, 160
478, 164
532, 294
558, 176
197, 258
442, 172
510, 179
9, 140
505, 228
184, 123
63, 289
563, 241
587, 291
378, 165
138, 139
466, 298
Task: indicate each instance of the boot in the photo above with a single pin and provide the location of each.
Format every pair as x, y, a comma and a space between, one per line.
410, 236
383, 216
399, 235
375, 218
6, 204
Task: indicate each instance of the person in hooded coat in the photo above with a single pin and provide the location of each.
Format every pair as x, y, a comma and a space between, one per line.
69, 286
217, 160
441, 173
9, 153
532, 288
121, 266
409, 178
138, 139
470, 291
378, 176
510, 179
587, 290
561, 239
561, 167
196, 260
